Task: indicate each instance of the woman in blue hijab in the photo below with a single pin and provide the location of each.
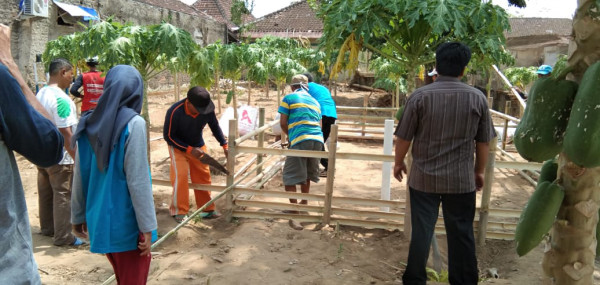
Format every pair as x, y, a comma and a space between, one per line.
112, 201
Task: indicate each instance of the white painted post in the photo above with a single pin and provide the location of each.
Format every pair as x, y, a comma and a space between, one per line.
388, 142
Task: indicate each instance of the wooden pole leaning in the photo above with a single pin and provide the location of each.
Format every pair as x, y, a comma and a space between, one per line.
364, 113
230, 168
484, 210
505, 133
261, 137
332, 149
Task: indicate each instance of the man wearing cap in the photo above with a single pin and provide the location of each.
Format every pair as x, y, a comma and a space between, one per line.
433, 74
328, 112
301, 121
544, 71
92, 84
182, 131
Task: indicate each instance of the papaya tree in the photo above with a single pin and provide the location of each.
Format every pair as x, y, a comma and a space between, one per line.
230, 62
408, 32
570, 259
252, 65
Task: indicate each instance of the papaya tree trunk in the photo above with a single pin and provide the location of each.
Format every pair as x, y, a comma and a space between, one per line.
146, 117
218, 92
249, 90
573, 237
278, 93
573, 247
235, 105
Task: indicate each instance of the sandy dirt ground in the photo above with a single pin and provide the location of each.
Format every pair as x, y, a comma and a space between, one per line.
252, 251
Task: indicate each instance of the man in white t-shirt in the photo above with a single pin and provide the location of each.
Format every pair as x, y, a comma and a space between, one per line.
54, 182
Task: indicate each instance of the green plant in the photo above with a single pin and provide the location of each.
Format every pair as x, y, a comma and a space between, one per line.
521, 76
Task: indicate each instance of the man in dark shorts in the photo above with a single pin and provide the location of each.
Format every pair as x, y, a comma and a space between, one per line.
447, 121
301, 120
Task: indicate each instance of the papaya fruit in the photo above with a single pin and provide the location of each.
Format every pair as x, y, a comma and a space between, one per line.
549, 171
538, 216
540, 132
582, 136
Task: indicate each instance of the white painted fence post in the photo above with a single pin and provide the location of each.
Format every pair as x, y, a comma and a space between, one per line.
388, 142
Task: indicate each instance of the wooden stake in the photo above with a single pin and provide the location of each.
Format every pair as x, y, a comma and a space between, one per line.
364, 113
505, 133
261, 137
487, 192
230, 168
332, 149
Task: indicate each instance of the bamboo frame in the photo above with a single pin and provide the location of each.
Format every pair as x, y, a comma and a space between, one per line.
261, 137
512, 88
231, 166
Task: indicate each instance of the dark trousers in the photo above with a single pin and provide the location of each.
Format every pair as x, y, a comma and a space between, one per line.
459, 212
326, 123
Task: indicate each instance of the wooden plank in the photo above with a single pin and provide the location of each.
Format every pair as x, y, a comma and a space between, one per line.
265, 215
365, 118
504, 116
256, 132
279, 206
354, 108
518, 165
279, 194
261, 137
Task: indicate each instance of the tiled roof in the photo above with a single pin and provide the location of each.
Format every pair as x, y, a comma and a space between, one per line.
174, 5
298, 19
525, 27
220, 10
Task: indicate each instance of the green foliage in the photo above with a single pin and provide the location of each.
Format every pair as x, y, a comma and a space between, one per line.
408, 32
201, 65
239, 8
441, 277
561, 67
521, 76
388, 75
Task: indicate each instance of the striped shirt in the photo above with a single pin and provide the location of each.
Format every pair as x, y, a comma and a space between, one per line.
444, 120
304, 117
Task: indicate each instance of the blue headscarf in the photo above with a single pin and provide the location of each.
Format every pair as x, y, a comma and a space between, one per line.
121, 100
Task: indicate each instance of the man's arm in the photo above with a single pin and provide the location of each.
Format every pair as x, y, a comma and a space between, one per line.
68, 135
169, 133
23, 129
402, 147
76, 85
481, 157
283, 122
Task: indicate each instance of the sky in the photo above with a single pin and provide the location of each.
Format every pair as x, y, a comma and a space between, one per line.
535, 8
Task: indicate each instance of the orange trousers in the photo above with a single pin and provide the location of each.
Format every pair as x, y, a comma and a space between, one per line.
183, 163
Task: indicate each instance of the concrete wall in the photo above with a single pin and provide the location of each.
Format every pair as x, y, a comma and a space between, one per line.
29, 35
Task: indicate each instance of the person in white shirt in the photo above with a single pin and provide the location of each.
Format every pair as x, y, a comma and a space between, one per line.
54, 182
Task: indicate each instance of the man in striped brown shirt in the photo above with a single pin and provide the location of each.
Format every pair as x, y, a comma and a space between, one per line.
447, 121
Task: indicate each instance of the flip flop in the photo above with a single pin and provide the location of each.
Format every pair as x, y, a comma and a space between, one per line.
180, 218
210, 215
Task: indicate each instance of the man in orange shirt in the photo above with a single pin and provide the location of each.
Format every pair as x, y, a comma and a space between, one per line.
92, 84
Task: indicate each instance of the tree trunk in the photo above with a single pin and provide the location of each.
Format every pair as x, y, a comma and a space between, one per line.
573, 247
235, 105
249, 89
267, 88
146, 117
573, 237
218, 91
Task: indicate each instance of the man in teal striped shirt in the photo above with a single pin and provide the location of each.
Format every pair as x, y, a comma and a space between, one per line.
301, 121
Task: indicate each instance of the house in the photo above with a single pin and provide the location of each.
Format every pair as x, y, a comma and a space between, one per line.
296, 20
537, 41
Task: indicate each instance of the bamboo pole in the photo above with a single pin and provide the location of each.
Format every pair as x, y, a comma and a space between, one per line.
332, 149
504, 116
230, 167
512, 88
363, 117
487, 192
256, 132
354, 108
505, 133
261, 136
364, 113
388, 144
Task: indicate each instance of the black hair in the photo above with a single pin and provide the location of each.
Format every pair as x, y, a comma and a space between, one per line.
309, 76
58, 64
452, 58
